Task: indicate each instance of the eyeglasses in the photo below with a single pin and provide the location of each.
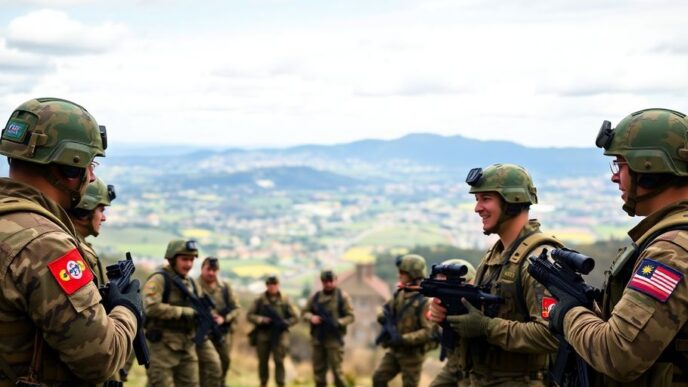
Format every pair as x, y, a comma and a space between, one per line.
615, 166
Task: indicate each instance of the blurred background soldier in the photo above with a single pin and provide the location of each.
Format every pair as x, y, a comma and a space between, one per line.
226, 307
272, 313
452, 373
406, 330
328, 312
170, 324
510, 345
54, 329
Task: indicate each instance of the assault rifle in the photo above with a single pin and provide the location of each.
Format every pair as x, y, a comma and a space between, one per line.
205, 323
563, 279
277, 324
389, 336
327, 323
450, 291
119, 275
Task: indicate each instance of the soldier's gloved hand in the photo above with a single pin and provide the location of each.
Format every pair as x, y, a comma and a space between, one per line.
558, 312
130, 298
472, 324
381, 319
395, 341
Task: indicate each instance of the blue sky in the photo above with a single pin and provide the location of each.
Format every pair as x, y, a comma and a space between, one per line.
280, 72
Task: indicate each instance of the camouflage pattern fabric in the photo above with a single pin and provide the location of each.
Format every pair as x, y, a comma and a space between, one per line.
451, 374
82, 343
52, 130
93, 261
173, 353
628, 343
517, 342
416, 331
414, 265
652, 141
511, 181
97, 193
283, 306
216, 293
329, 353
209, 365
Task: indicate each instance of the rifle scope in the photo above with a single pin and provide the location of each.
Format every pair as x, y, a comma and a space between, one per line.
574, 260
453, 270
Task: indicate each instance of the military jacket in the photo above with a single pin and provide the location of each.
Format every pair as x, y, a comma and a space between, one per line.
225, 299
409, 307
93, 261
281, 305
643, 338
173, 316
342, 315
38, 259
518, 337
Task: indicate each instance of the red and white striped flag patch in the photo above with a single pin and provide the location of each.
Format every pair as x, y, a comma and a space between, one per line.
655, 279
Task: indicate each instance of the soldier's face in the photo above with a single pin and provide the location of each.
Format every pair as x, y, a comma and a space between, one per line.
488, 206
272, 289
97, 219
183, 264
209, 274
622, 178
329, 285
404, 277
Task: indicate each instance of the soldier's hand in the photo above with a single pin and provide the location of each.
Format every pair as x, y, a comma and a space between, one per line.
265, 320
315, 319
437, 311
219, 320
558, 312
129, 298
472, 324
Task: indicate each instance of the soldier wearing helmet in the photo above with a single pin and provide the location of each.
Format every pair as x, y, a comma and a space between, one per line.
328, 311
641, 339
512, 346
171, 326
56, 330
452, 373
405, 350
272, 314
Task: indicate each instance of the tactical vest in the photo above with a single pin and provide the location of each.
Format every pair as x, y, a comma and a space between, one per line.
177, 325
39, 357
673, 362
486, 358
339, 311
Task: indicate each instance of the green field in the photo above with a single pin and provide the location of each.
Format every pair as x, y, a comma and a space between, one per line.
405, 235
140, 241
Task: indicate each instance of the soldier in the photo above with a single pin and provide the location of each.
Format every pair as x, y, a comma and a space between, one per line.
226, 306
87, 217
452, 373
328, 312
510, 346
272, 313
641, 338
170, 323
54, 328
407, 345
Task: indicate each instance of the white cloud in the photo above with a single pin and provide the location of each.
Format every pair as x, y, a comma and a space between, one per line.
61, 35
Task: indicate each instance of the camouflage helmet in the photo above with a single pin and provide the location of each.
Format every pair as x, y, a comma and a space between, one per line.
181, 246
512, 182
328, 275
97, 193
412, 264
650, 140
53, 130
272, 279
470, 274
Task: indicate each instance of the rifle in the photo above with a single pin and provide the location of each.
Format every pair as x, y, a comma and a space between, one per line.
205, 323
389, 336
327, 323
223, 312
450, 291
119, 275
277, 324
563, 278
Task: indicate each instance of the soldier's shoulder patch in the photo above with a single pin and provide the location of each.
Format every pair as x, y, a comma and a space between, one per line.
71, 272
655, 279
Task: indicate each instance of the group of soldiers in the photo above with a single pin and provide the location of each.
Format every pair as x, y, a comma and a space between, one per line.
60, 325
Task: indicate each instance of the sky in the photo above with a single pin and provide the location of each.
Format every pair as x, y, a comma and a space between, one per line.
276, 73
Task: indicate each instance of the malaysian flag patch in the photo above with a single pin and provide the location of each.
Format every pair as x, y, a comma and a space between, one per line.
655, 279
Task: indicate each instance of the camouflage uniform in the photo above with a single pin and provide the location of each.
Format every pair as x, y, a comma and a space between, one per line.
409, 308
170, 328
642, 338
225, 299
328, 353
47, 297
283, 306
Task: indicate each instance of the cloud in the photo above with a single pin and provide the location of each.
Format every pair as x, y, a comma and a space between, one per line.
48, 3
15, 61
61, 35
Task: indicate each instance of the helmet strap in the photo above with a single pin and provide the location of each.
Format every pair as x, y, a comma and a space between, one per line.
633, 198
57, 181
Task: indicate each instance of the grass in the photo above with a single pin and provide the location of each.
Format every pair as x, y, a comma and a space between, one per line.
140, 241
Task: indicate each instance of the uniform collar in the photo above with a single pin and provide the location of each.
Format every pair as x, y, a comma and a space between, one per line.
496, 253
641, 228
